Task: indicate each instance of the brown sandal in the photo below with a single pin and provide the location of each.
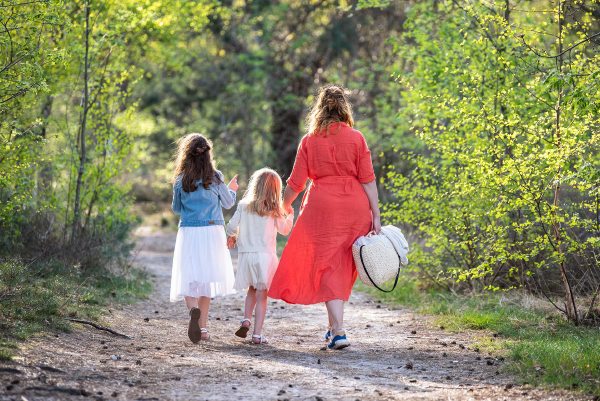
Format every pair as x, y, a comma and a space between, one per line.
194, 332
243, 330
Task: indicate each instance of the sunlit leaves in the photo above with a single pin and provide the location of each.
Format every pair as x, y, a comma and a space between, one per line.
485, 106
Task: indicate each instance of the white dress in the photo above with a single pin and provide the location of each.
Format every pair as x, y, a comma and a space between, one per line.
201, 263
256, 243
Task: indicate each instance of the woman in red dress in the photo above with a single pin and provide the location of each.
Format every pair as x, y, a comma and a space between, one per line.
340, 205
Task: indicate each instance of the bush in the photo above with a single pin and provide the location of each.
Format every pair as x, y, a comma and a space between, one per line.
37, 297
505, 192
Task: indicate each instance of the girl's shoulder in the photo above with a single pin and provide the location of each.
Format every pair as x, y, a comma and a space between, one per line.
177, 181
242, 206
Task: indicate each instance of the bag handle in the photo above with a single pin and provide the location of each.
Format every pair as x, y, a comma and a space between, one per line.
369, 276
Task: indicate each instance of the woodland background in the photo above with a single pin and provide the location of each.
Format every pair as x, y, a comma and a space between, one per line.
483, 118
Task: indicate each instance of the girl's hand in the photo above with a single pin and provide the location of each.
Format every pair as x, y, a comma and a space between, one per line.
376, 227
233, 184
231, 241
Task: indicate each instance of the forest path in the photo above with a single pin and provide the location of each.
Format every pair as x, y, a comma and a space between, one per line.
395, 355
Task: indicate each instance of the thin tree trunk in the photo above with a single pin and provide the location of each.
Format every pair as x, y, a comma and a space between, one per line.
571, 307
45, 172
82, 150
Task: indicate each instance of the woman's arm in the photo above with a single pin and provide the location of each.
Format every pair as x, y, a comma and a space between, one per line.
371, 191
289, 196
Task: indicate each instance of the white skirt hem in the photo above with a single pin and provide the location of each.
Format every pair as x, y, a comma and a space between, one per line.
201, 264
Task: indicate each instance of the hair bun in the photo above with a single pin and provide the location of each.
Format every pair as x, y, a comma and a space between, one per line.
200, 150
332, 102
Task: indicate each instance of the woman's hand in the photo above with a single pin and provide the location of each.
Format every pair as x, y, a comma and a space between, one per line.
376, 226
233, 184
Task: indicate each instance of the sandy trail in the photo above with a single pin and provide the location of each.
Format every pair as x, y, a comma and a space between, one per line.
395, 355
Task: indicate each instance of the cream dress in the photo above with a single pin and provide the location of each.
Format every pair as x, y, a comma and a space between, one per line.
256, 243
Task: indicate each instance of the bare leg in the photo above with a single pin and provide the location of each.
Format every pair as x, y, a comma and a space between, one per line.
203, 304
250, 303
329, 319
335, 309
191, 302
261, 311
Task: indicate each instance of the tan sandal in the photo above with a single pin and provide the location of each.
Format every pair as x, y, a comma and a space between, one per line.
243, 330
194, 331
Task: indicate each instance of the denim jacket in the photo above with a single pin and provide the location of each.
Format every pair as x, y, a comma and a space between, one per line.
203, 206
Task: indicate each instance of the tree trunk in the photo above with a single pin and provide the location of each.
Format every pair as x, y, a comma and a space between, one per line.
285, 134
45, 171
82, 145
287, 95
571, 307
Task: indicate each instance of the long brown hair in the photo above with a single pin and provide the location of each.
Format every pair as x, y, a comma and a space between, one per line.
263, 195
331, 106
193, 161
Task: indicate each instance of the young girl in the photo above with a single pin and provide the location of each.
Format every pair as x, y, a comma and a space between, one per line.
256, 222
202, 265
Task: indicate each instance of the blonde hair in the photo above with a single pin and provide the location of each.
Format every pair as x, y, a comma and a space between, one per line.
263, 196
331, 106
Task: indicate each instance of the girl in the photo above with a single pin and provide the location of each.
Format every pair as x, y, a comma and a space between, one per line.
202, 265
258, 219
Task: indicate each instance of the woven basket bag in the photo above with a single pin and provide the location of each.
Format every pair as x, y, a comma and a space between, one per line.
377, 262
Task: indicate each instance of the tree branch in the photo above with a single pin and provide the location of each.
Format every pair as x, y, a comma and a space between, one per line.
97, 326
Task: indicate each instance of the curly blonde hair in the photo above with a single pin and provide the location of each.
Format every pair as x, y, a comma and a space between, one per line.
331, 106
263, 196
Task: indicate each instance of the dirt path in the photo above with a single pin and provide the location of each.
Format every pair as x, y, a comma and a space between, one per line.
394, 355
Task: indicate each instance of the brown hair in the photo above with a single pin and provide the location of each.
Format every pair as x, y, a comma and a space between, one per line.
331, 106
193, 161
263, 195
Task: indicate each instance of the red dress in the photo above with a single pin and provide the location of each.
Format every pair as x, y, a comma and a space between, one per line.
317, 265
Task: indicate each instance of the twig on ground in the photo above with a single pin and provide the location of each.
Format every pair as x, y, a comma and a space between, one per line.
97, 326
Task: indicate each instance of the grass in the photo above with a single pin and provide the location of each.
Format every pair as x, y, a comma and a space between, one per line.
542, 348
37, 298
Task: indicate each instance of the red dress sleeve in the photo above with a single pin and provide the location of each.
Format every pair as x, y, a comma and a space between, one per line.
297, 180
366, 173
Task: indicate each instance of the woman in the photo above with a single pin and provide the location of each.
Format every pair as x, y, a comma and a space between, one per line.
340, 205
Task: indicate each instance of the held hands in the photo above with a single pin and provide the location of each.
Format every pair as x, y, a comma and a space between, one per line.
288, 209
233, 184
231, 241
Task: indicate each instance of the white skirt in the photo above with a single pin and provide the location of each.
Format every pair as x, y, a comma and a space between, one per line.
255, 269
201, 263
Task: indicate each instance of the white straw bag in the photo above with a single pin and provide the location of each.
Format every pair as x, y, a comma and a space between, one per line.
379, 257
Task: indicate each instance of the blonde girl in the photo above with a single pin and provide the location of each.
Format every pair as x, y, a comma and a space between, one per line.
202, 266
256, 222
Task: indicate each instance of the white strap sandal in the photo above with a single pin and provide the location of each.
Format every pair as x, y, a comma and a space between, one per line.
204, 334
259, 339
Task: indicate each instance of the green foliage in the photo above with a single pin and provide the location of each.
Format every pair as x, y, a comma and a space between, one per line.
542, 348
507, 183
37, 298
49, 181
